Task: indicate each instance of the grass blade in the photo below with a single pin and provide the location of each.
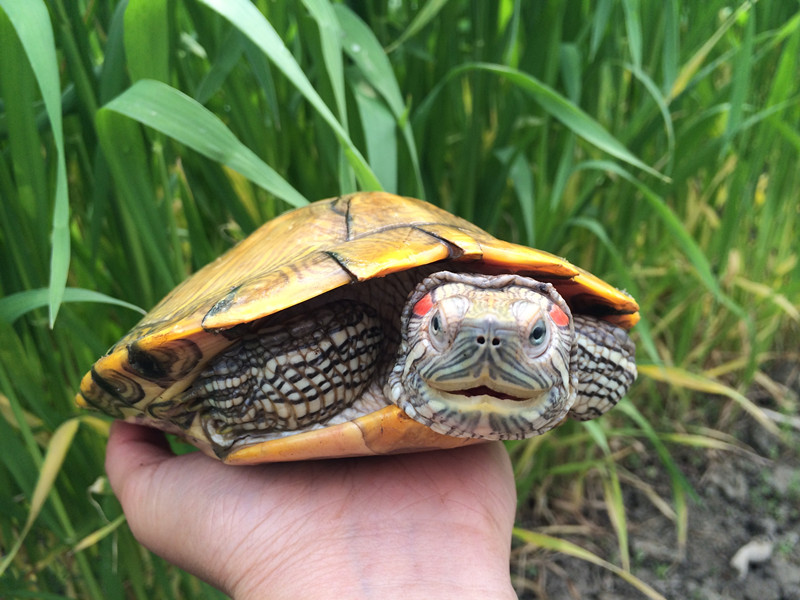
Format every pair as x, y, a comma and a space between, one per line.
96, 536
695, 381
615, 506
599, 23
229, 55
379, 132
661, 102
556, 105
695, 62
633, 27
15, 305
363, 48
56, 453
680, 485
147, 39
424, 15
670, 56
627, 282
31, 20
740, 84
521, 176
175, 114
246, 17
331, 39
549, 542
675, 226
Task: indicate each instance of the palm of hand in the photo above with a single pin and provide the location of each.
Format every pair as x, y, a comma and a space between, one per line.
439, 522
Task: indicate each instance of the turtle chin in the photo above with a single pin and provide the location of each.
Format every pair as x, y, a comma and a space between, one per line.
479, 412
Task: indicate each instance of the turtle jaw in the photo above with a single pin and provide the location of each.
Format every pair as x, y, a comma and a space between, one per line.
489, 416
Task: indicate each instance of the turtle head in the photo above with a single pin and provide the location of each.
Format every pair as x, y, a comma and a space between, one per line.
485, 356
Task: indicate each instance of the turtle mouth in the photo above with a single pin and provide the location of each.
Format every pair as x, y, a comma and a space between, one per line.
485, 390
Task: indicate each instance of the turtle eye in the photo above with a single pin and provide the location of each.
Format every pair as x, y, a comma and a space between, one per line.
539, 334
436, 329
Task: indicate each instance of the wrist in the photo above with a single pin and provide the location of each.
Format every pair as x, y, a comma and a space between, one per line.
462, 564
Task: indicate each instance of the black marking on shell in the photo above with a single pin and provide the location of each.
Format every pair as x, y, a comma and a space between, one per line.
337, 203
343, 265
453, 251
376, 232
145, 364
222, 305
545, 277
237, 331
595, 306
165, 364
119, 386
109, 404
348, 222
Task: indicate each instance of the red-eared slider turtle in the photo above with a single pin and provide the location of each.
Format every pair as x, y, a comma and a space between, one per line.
370, 324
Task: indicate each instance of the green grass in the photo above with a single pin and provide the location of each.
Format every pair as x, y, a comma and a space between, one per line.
655, 143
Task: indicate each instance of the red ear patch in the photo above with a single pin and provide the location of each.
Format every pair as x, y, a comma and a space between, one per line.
424, 304
559, 317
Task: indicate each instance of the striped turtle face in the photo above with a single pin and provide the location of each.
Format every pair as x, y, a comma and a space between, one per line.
485, 356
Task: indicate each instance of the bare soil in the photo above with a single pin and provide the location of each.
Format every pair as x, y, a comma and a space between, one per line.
742, 498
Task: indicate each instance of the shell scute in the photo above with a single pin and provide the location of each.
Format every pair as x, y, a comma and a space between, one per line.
273, 290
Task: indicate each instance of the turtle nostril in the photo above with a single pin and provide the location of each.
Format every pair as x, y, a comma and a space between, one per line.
496, 342
481, 340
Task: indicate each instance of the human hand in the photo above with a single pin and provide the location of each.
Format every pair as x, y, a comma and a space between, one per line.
430, 525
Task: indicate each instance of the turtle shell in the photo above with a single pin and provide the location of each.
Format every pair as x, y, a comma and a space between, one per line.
289, 261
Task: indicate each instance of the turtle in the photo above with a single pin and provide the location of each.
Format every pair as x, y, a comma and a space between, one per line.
370, 324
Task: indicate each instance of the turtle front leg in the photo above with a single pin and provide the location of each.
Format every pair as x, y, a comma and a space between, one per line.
289, 375
605, 364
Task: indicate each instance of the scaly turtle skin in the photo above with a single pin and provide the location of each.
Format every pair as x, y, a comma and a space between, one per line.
370, 324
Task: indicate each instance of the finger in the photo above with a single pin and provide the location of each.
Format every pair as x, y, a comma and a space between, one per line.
130, 448
166, 498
